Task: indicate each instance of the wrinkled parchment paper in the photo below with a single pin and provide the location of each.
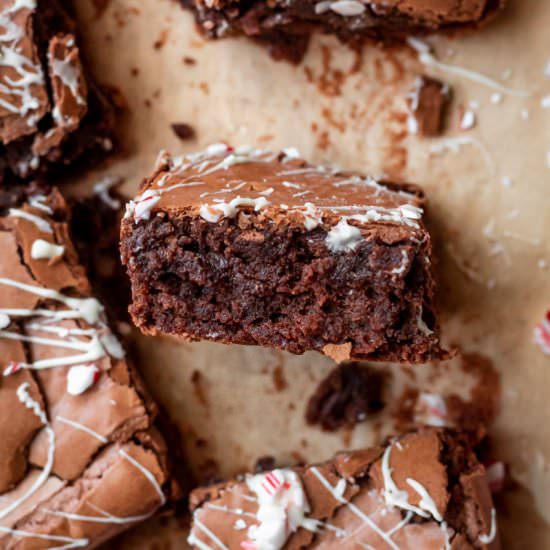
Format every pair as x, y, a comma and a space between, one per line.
489, 191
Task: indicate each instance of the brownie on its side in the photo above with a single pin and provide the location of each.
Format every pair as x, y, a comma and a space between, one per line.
286, 25
253, 247
51, 114
424, 490
81, 459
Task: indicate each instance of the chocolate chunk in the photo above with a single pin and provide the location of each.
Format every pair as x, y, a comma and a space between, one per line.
254, 247
348, 395
183, 130
428, 103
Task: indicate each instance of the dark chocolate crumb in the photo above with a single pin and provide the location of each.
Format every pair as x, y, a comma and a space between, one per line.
183, 130
189, 60
351, 392
264, 464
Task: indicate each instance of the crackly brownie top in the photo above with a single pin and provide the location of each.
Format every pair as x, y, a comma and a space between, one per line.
433, 13
70, 405
422, 490
222, 181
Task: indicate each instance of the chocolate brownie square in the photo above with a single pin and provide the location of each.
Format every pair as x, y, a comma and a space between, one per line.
81, 458
249, 246
424, 490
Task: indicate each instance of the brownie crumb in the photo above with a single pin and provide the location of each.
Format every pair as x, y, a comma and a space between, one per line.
183, 130
350, 393
189, 60
264, 464
428, 103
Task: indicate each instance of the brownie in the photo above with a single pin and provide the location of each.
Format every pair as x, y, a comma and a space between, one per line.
253, 247
422, 490
81, 458
51, 113
285, 26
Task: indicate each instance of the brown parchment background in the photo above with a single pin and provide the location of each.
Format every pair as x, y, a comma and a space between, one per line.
337, 107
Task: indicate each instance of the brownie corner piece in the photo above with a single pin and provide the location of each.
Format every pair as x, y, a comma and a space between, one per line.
422, 490
254, 247
81, 457
51, 112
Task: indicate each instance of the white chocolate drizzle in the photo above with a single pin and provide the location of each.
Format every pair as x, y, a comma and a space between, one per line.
40, 223
82, 427
43, 250
343, 237
338, 495
30, 403
398, 498
491, 536
38, 202
88, 309
150, 477
29, 73
427, 58
105, 516
102, 188
71, 542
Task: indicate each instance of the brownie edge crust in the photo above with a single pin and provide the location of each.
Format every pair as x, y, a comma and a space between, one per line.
252, 247
285, 26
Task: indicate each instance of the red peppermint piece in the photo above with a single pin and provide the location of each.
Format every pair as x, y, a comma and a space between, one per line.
12, 368
542, 334
496, 473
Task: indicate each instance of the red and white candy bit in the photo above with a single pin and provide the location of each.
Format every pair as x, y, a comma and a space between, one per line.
248, 545
496, 473
12, 368
143, 207
271, 484
431, 409
82, 377
542, 334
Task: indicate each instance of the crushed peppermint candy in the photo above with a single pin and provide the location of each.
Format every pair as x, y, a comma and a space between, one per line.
82, 377
496, 473
4, 321
542, 334
431, 409
468, 120
282, 509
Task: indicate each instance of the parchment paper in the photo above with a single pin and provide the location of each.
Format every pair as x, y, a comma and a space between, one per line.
492, 237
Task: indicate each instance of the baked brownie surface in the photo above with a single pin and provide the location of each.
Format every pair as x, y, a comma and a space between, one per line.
425, 490
50, 113
254, 247
286, 24
80, 459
